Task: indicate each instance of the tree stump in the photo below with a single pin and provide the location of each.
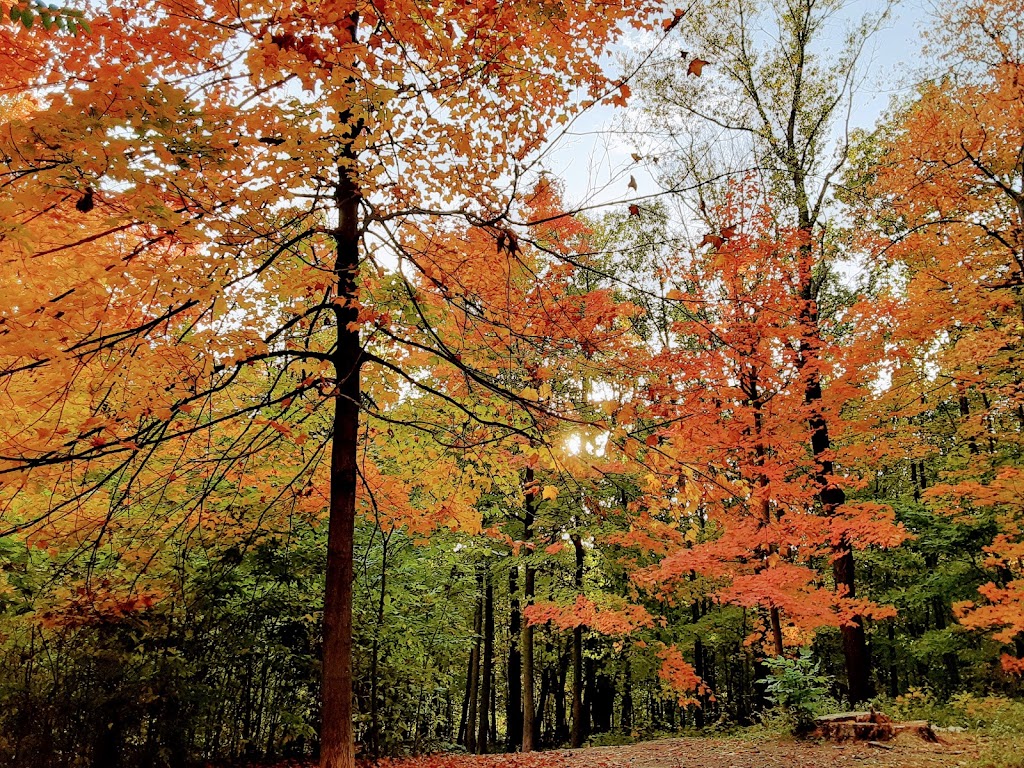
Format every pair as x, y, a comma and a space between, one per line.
869, 726
855, 726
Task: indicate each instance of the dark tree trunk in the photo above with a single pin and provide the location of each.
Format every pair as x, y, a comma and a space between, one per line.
776, 622
473, 682
831, 497
561, 723
540, 716
494, 709
579, 726
603, 707
894, 684
514, 700
337, 747
698, 667
589, 692
374, 734
855, 648
627, 696
488, 665
529, 586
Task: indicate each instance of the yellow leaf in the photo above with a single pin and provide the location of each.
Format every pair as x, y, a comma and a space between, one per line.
550, 493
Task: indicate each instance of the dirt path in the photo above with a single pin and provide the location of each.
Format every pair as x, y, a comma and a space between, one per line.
906, 751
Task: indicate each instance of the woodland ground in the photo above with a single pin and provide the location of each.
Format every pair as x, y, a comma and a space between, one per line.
906, 751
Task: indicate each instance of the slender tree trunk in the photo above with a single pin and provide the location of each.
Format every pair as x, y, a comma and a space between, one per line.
529, 586
627, 696
374, 735
514, 699
603, 707
561, 722
337, 747
578, 726
700, 712
488, 665
541, 714
589, 691
494, 713
473, 683
528, 701
776, 622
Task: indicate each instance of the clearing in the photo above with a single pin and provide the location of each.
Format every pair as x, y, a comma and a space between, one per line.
905, 751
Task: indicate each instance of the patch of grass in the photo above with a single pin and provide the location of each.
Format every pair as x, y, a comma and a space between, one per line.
994, 715
1002, 752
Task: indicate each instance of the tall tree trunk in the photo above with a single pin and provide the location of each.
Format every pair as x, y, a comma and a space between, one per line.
776, 622
627, 696
855, 649
579, 729
830, 495
589, 690
603, 707
488, 665
374, 735
894, 684
514, 699
473, 683
561, 722
337, 747
494, 712
700, 712
529, 587
541, 717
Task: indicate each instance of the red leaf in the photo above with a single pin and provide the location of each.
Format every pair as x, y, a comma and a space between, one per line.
696, 67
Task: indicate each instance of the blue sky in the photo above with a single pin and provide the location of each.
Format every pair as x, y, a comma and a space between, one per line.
595, 163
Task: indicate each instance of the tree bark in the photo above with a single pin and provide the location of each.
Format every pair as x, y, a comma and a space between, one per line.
337, 747
488, 665
626, 719
527, 633
514, 699
473, 681
776, 622
579, 729
830, 495
561, 730
374, 735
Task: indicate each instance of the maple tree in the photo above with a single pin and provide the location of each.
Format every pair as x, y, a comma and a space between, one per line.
776, 106
737, 465
286, 292
947, 186
196, 214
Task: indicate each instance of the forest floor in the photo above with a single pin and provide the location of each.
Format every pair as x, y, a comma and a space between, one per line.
906, 751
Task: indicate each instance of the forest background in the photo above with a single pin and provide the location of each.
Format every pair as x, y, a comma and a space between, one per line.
329, 424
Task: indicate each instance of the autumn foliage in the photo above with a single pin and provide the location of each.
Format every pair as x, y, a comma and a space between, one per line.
332, 424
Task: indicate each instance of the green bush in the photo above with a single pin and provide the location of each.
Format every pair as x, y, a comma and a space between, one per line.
797, 688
